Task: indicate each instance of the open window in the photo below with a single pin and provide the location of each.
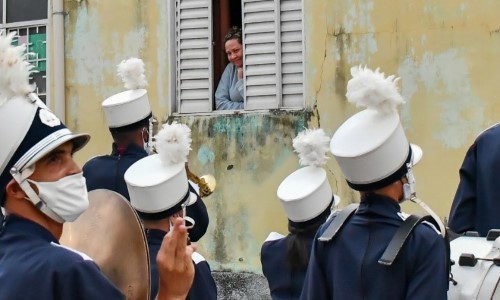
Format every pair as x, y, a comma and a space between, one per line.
228, 14
28, 18
273, 52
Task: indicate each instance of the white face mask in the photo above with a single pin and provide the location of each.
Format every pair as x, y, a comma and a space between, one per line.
409, 188
66, 197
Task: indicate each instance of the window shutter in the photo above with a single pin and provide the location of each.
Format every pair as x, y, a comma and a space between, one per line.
261, 54
194, 55
292, 66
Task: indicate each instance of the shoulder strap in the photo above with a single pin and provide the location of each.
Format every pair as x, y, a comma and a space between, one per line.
338, 222
400, 237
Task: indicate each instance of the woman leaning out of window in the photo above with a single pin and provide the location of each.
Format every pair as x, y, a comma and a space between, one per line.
229, 94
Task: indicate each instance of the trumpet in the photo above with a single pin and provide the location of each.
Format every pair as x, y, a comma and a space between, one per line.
206, 183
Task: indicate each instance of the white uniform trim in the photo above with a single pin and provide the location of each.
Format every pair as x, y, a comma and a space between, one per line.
83, 255
404, 216
197, 257
273, 236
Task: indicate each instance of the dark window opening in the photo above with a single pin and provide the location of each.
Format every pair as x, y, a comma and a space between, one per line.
1, 11
226, 14
26, 10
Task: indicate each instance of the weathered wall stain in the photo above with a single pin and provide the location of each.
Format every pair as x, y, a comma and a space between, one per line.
342, 45
243, 152
358, 23
446, 75
205, 155
97, 38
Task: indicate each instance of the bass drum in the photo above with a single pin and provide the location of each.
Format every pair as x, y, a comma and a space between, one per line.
111, 233
480, 281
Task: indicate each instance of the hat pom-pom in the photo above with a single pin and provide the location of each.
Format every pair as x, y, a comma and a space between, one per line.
173, 143
131, 72
14, 69
371, 89
312, 146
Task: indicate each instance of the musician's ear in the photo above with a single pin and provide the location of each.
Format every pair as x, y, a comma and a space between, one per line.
145, 134
14, 190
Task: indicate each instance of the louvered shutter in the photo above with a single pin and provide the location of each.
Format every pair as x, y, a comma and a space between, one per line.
261, 54
292, 66
194, 55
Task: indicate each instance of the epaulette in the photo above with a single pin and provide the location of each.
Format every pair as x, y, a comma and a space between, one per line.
197, 257
273, 236
81, 254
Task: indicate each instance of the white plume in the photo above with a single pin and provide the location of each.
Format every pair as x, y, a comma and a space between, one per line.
14, 69
173, 143
131, 72
312, 146
373, 90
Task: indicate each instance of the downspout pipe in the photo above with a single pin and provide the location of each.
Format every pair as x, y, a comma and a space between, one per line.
58, 76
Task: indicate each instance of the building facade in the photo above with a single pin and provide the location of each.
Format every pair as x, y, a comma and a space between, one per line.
298, 56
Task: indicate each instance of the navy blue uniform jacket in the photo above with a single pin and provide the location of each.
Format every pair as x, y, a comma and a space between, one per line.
108, 171
284, 282
347, 267
476, 206
34, 266
203, 284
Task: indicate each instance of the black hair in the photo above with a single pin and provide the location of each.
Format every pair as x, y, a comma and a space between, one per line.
234, 33
124, 134
297, 253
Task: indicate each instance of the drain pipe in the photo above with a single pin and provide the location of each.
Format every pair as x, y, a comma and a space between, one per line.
58, 76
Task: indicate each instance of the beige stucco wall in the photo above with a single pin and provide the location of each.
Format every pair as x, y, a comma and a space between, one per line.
100, 34
445, 53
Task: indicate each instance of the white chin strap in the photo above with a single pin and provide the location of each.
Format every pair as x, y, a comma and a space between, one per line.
190, 220
32, 196
413, 198
436, 218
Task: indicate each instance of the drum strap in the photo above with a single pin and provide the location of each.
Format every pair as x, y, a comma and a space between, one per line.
338, 222
400, 237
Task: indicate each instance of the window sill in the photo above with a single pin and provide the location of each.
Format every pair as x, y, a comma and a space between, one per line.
242, 112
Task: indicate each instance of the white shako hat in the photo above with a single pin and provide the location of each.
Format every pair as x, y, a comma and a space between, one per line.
158, 184
371, 147
130, 109
306, 194
29, 129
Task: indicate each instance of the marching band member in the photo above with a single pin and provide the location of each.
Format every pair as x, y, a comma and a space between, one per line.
476, 205
376, 159
128, 115
159, 191
41, 187
307, 198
